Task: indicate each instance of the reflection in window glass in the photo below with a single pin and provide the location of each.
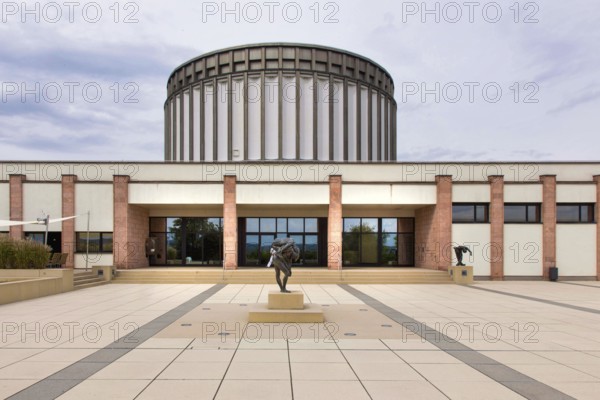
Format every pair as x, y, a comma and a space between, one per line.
173, 249
470, 213
35, 237
173, 223
296, 225
462, 213
351, 224
567, 213
584, 214
369, 225
350, 248
311, 225
311, 249
389, 225
94, 246
533, 213
107, 242
368, 248
299, 240
252, 249
265, 247
515, 213
389, 248
215, 222
481, 213
521, 213
376, 241
282, 225
268, 225
252, 225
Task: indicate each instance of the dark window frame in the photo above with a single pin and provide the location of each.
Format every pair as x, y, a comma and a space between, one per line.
380, 240
79, 250
474, 220
538, 212
304, 233
156, 234
591, 213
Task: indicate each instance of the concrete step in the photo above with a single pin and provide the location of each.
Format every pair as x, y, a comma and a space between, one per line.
300, 276
81, 276
99, 282
87, 280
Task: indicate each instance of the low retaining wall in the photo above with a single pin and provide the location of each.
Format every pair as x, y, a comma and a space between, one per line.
26, 284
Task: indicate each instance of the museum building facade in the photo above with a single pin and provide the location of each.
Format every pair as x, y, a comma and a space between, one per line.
275, 140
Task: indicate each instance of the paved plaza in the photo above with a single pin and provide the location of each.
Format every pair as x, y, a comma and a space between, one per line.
491, 340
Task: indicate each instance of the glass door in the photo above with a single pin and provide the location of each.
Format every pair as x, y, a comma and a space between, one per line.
261, 232
187, 241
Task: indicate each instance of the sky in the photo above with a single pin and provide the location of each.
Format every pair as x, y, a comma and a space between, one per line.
474, 80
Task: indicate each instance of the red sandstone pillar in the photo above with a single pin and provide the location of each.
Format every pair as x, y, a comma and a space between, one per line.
443, 220
549, 218
597, 216
334, 223
68, 226
120, 213
497, 227
16, 204
230, 228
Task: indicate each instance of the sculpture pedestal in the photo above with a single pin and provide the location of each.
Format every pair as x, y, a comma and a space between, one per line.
286, 301
286, 307
462, 275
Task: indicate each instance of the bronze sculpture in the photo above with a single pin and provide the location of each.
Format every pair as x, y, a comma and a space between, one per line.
459, 250
283, 253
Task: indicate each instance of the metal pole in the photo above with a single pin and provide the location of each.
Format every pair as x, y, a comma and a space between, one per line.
47, 222
87, 242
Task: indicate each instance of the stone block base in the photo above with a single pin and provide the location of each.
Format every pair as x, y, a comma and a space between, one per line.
287, 308
310, 313
286, 301
461, 275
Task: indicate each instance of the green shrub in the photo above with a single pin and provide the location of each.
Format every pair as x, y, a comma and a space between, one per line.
23, 254
171, 253
6, 252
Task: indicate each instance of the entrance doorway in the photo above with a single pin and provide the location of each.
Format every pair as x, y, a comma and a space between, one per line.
257, 235
187, 241
378, 242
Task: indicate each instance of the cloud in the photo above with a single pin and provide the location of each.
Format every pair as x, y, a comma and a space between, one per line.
589, 95
558, 53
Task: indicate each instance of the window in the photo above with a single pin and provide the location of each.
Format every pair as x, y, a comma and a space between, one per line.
191, 241
38, 237
99, 242
378, 241
575, 213
470, 213
260, 233
522, 213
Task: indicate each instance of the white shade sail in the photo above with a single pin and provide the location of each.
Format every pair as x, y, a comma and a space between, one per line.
4, 223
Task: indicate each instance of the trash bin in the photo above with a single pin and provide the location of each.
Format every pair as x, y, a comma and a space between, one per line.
553, 274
